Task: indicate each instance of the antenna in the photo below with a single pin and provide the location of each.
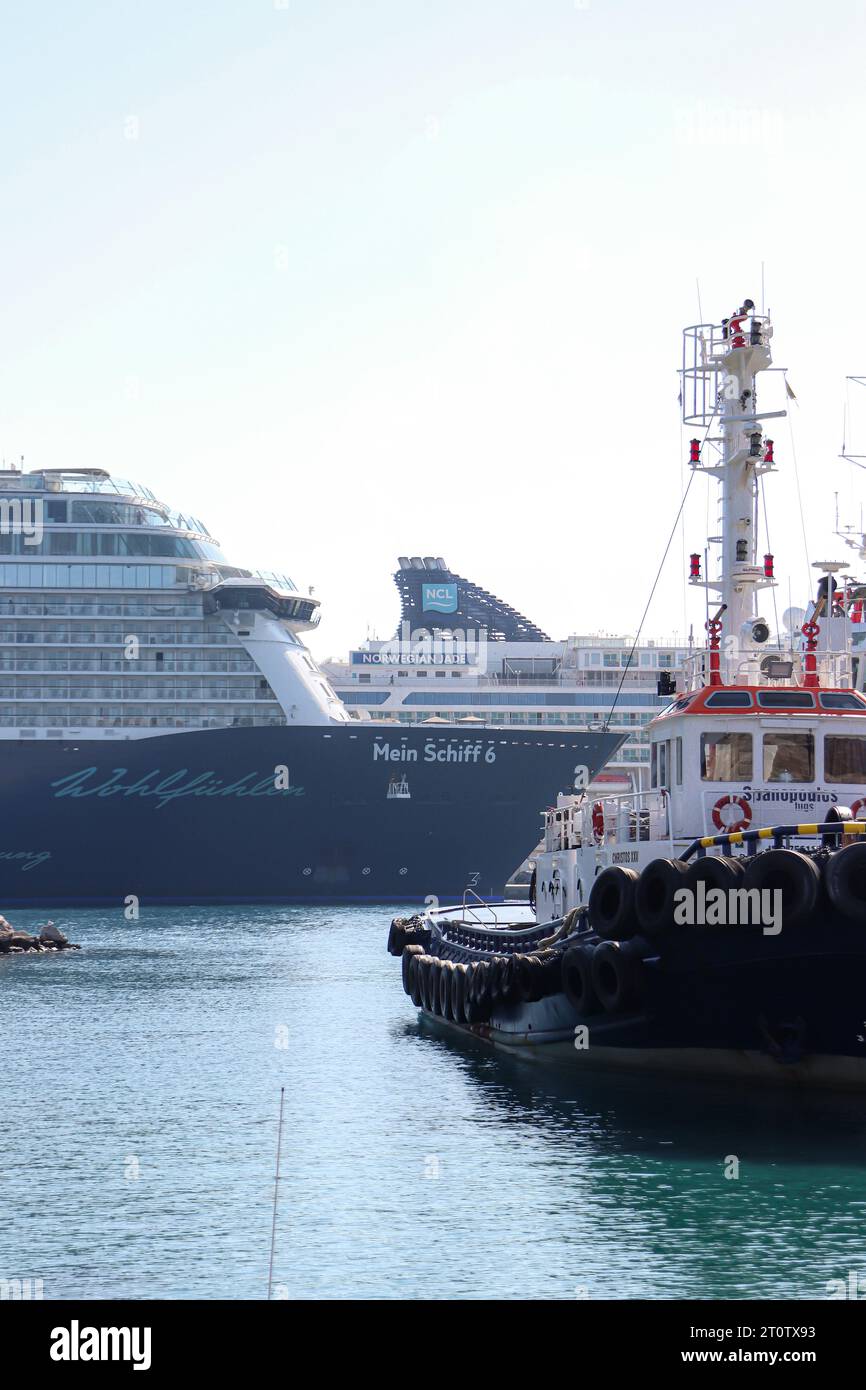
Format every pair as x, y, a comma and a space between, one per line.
859, 459
763, 298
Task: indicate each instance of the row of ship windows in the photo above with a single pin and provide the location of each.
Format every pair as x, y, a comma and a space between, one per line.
217, 664
60, 576
141, 690
475, 699
113, 543
144, 717
560, 721
168, 636
782, 756
62, 509
53, 606
657, 660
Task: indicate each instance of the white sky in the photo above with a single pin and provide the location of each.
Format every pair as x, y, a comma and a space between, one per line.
398, 277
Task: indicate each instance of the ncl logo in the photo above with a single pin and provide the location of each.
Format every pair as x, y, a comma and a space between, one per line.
439, 598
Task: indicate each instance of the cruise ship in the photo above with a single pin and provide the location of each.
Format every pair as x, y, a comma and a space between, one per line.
166, 736
463, 655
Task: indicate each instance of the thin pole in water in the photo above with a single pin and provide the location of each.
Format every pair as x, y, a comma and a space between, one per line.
276, 1191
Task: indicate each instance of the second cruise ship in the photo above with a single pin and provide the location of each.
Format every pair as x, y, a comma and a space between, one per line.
463, 655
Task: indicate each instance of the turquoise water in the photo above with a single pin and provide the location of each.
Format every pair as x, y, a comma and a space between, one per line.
139, 1117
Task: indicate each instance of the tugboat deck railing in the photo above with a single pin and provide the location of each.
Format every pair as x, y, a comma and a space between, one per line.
629, 816
829, 831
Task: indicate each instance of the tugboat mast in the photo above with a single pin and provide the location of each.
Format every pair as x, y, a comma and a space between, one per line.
720, 366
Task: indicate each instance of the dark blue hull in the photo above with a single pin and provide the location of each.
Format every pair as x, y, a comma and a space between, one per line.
361, 814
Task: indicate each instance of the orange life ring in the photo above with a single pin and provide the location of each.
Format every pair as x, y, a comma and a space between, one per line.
726, 824
598, 822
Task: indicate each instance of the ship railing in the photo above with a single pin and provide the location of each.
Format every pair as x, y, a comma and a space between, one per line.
704, 347
830, 832
562, 828
834, 669
627, 817
470, 898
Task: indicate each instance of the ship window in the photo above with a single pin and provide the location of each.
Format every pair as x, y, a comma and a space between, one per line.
663, 764
729, 699
679, 747
786, 699
726, 757
659, 764
789, 757
845, 758
834, 700
63, 543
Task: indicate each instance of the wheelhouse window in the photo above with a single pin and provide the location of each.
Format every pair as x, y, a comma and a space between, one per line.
836, 699
845, 758
789, 757
729, 699
726, 757
786, 699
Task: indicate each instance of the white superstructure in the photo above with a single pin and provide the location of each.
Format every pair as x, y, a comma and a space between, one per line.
122, 619
766, 732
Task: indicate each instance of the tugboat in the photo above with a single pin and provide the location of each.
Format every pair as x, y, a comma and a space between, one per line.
714, 924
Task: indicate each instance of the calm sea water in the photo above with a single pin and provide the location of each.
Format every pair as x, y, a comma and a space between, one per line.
138, 1126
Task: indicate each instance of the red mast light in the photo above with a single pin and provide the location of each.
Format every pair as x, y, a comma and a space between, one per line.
694, 451
694, 567
768, 567
768, 452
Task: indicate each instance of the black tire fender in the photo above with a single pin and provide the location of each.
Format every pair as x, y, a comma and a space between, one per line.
845, 881
408, 953
617, 976
577, 982
416, 977
446, 970
496, 979
611, 903
459, 982
654, 895
796, 875
431, 985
